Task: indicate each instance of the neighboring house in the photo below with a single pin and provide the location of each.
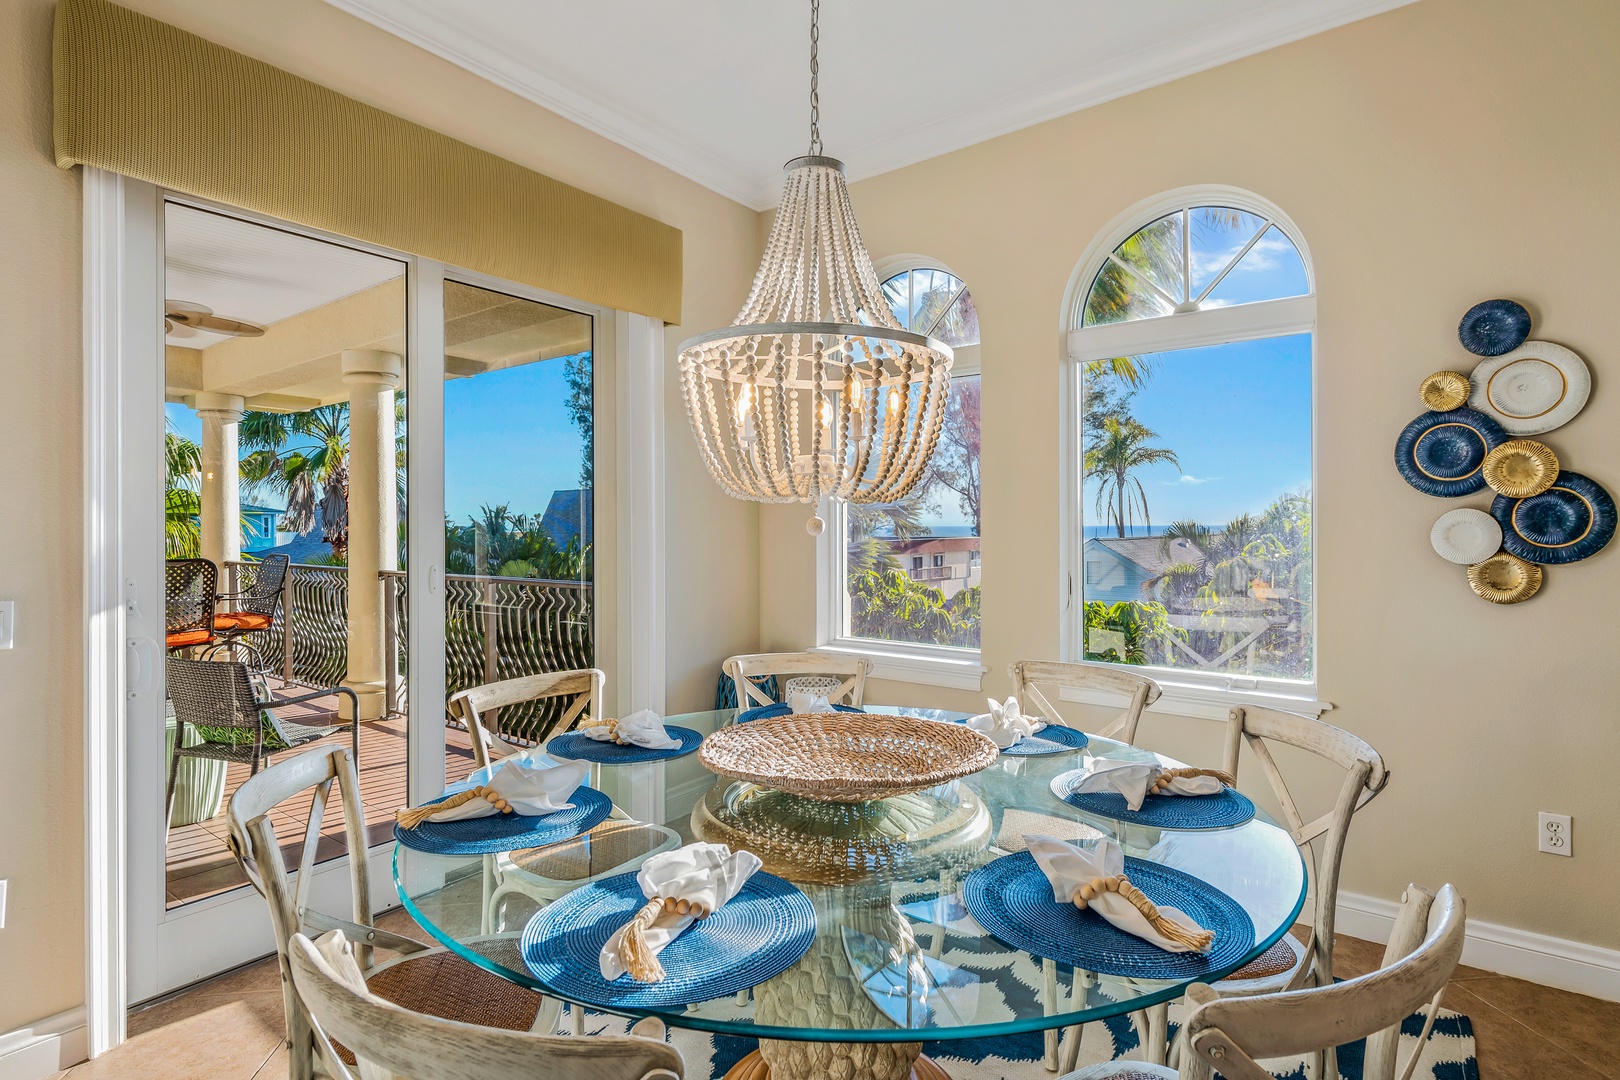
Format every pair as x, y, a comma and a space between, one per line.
260, 525
947, 563
569, 514
1118, 567
300, 548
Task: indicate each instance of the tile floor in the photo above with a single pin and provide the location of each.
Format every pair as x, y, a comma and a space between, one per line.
230, 1028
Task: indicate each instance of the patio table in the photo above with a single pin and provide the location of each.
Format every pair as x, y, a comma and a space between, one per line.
896, 961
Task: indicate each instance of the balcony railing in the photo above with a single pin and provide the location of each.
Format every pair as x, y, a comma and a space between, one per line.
495, 628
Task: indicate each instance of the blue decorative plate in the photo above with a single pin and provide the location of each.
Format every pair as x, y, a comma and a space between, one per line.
1570, 521
758, 934
1441, 453
508, 832
1494, 327
1012, 899
1052, 739
576, 746
768, 712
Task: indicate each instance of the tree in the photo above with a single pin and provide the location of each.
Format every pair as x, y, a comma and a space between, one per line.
182, 505
298, 456
956, 458
577, 373
499, 543
1111, 460
889, 605
871, 525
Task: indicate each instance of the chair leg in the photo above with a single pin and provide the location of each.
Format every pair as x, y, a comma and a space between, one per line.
1158, 1028
1069, 1048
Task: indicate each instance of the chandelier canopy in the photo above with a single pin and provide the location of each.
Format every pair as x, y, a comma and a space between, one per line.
815, 390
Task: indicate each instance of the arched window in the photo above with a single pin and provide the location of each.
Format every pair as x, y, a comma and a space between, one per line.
1190, 543
908, 573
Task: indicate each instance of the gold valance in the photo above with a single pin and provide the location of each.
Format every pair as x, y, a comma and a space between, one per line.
146, 99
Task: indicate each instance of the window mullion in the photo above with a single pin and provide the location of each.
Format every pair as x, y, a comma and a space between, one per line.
1227, 269
1143, 278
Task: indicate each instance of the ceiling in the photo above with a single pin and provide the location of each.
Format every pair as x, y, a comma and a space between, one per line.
717, 89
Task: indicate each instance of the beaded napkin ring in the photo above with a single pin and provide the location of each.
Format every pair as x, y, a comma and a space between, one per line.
410, 817
640, 962
1198, 941
613, 730
1185, 773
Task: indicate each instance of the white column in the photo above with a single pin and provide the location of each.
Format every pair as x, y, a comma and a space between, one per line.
372, 378
221, 494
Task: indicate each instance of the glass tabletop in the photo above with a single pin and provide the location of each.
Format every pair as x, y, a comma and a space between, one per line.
896, 957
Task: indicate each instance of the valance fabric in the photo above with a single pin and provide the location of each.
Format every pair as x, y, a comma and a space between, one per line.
149, 100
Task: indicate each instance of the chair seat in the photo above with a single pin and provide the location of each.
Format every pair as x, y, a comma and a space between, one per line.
297, 735
183, 639
442, 984
1122, 1070
241, 621
1269, 972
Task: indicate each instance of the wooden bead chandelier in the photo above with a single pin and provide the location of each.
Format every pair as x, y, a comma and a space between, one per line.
815, 390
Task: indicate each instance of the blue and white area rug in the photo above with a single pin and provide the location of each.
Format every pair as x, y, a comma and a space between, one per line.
1449, 1054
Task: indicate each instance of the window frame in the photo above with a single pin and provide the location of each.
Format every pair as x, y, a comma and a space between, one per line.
1186, 691
945, 666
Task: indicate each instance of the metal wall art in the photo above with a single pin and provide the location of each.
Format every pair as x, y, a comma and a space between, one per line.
1472, 438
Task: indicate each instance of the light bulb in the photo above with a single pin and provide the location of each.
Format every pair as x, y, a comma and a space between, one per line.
894, 400
826, 413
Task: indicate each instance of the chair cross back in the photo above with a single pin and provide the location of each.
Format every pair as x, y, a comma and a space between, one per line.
479, 707
1028, 675
427, 1048
744, 669
1230, 1033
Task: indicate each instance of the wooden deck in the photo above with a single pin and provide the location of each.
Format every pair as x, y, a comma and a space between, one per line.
198, 862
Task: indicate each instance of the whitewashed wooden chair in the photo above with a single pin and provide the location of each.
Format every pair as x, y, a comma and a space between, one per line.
847, 685
1231, 1034
522, 873
410, 1044
424, 978
1030, 675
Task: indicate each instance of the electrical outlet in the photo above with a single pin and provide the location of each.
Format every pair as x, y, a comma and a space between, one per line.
1553, 835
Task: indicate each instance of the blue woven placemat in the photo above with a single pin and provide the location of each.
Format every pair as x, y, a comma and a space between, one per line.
767, 712
508, 832
1012, 899
758, 934
1052, 739
1220, 811
579, 747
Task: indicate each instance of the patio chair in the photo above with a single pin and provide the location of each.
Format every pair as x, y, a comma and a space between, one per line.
1229, 1034
423, 978
837, 676
521, 712
425, 1047
189, 590
252, 610
218, 700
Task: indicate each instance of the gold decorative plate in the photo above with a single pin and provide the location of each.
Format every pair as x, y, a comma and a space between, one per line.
1520, 468
1444, 390
1504, 579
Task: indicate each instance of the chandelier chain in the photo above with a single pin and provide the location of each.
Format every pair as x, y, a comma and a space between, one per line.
815, 78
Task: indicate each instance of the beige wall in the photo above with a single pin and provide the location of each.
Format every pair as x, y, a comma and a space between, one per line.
711, 538
1434, 156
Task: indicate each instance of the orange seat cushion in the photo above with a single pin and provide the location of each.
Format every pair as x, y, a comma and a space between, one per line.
183, 638
241, 620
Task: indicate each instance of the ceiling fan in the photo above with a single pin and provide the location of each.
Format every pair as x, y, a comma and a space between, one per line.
184, 319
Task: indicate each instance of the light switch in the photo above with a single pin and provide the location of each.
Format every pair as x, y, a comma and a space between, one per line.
8, 619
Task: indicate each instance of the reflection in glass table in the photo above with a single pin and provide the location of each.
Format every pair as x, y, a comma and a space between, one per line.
897, 958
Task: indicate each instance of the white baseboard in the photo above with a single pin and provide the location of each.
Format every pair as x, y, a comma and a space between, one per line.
45, 1047
1537, 958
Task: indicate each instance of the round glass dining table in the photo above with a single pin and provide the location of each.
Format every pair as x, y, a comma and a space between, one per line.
897, 959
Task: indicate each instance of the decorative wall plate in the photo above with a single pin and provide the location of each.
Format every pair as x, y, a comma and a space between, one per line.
1441, 453
1444, 391
1520, 468
1466, 536
1572, 520
1535, 388
1494, 327
1505, 579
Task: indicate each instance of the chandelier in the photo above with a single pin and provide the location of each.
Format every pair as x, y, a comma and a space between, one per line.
815, 390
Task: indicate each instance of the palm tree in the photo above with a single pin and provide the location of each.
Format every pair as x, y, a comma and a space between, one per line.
867, 550
298, 456
1111, 459
182, 506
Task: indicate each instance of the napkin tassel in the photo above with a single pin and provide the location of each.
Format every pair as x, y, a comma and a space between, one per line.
639, 959
410, 817
1197, 940
1187, 773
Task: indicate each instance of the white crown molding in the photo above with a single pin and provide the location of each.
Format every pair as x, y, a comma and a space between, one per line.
1164, 61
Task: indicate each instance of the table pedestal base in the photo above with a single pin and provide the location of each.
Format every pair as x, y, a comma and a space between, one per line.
838, 1061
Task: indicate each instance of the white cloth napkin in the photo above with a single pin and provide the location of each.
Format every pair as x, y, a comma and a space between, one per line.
1069, 868
803, 701
643, 728
1005, 723
532, 786
1133, 778
706, 874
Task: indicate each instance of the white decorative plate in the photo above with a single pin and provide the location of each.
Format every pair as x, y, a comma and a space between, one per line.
1535, 388
1466, 536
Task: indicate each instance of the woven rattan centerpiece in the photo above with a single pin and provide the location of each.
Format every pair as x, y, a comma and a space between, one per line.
847, 757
